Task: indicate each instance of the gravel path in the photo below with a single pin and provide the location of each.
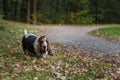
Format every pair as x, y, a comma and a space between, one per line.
78, 36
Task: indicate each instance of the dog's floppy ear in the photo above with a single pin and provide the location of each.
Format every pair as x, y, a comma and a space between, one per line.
39, 47
49, 48
39, 41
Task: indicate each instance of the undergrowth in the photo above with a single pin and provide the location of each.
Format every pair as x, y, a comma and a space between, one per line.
64, 65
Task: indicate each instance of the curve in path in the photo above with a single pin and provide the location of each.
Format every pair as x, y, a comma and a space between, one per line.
78, 36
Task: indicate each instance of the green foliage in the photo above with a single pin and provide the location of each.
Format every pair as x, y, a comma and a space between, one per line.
76, 12
2, 23
80, 18
43, 19
33, 19
112, 33
62, 11
61, 19
1, 15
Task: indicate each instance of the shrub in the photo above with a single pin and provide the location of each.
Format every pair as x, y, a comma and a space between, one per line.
84, 20
61, 19
42, 19
2, 23
80, 17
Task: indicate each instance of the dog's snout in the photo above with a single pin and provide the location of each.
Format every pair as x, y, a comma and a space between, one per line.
44, 47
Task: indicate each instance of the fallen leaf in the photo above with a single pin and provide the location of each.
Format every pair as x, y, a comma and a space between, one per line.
63, 78
8, 45
35, 78
34, 60
51, 79
118, 71
57, 75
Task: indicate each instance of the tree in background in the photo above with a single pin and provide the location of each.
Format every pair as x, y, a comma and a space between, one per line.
2, 24
61, 11
5, 8
28, 11
78, 11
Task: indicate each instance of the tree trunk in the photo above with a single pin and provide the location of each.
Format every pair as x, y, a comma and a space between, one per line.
28, 11
33, 12
23, 11
96, 11
1, 7
5, 9
15, 10
39, 5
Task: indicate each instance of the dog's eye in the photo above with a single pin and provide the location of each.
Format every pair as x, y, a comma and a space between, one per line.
41, 41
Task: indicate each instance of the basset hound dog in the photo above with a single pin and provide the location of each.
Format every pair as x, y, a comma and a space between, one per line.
36, 45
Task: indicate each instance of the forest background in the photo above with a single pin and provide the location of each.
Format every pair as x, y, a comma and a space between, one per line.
61, 11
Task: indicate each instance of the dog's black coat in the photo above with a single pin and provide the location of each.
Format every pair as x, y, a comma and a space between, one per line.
27, 43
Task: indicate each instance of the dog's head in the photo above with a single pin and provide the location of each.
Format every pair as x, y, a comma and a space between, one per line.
44, 46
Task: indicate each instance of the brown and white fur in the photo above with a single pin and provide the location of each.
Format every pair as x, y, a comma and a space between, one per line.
37, 45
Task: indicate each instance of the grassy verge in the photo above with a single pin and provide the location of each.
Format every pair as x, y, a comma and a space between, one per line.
65, 64
111, 33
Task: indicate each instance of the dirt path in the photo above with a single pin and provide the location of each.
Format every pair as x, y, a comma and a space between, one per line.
78, 36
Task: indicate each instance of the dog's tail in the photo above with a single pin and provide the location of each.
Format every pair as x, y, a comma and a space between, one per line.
25, 32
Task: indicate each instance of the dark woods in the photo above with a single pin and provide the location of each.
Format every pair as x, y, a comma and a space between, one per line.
61, 11
19, 10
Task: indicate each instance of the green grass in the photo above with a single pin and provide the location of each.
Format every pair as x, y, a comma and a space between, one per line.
111, 33
15, 65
